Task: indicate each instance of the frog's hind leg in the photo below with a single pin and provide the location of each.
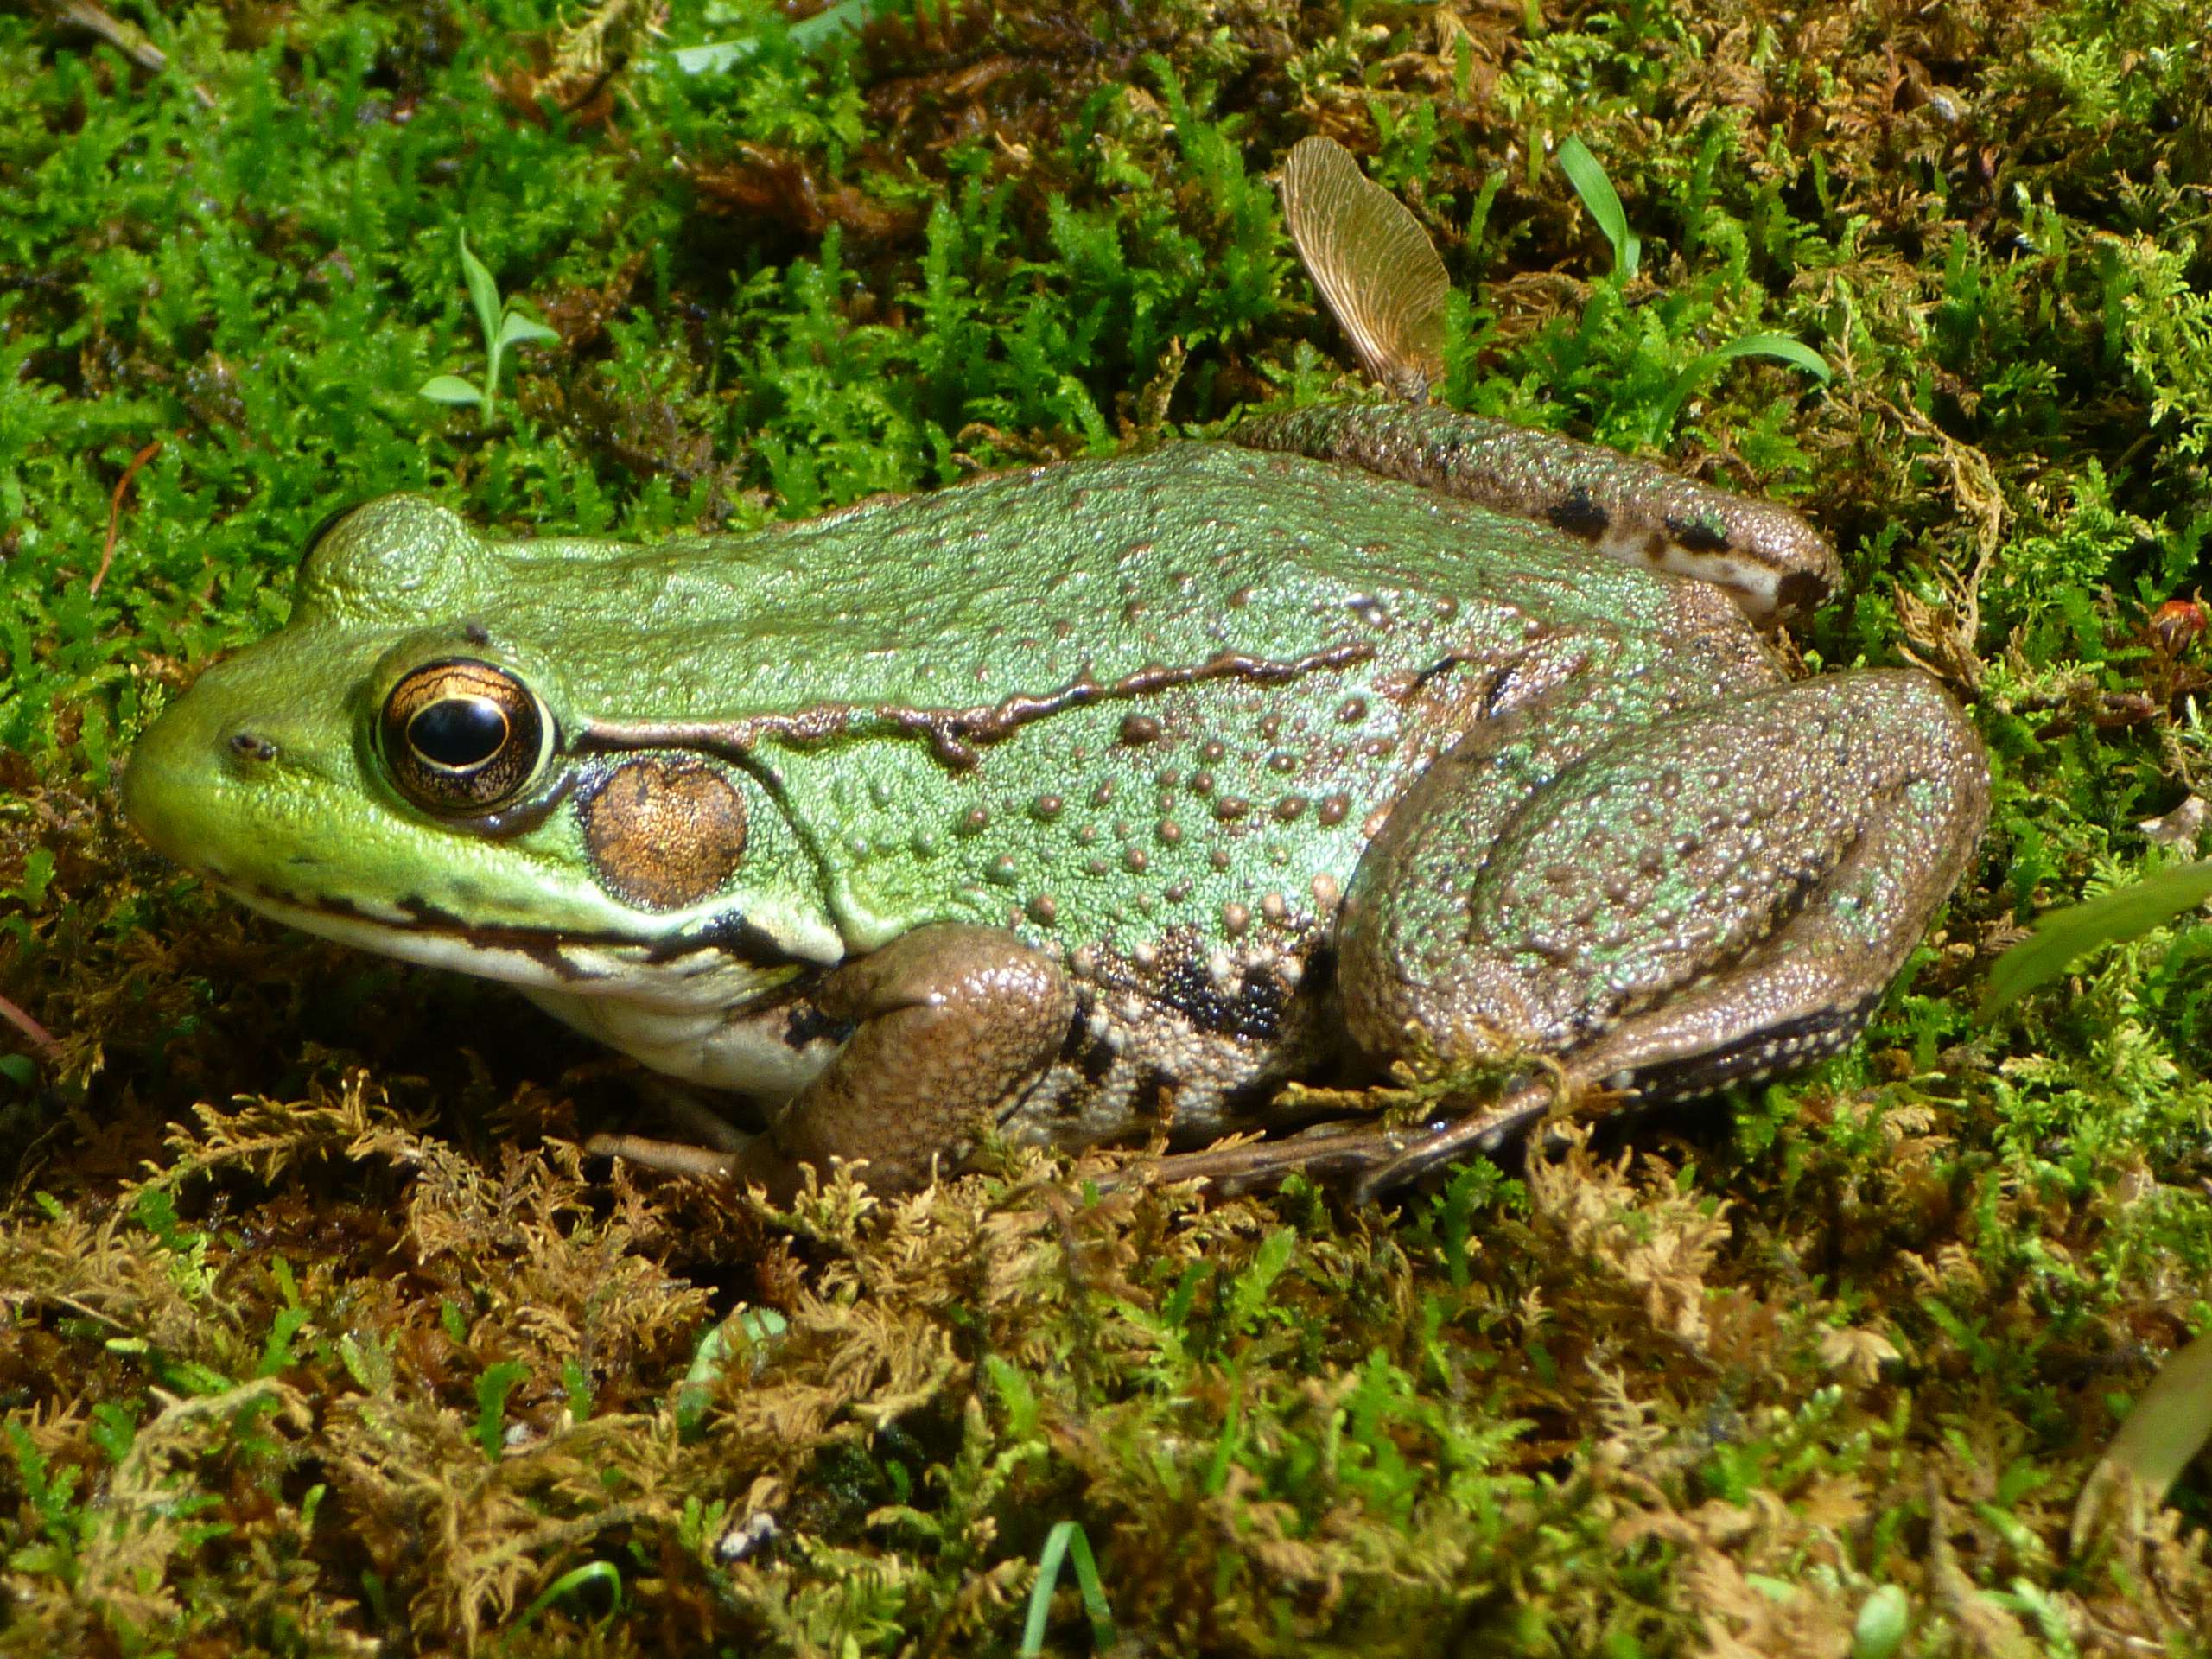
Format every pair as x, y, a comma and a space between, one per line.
1709, 899
1767, 558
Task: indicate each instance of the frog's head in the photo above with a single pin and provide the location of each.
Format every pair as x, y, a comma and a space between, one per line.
398, 768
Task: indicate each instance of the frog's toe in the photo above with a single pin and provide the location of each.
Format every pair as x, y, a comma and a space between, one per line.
668, 1157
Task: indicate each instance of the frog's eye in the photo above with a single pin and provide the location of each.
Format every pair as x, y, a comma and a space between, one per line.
463, 736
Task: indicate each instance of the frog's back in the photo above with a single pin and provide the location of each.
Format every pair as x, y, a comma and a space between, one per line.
1022, 584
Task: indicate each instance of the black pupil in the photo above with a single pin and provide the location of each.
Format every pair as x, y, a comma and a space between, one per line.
458, 731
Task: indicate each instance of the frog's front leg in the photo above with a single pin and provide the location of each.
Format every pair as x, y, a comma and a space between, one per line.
952, 1023
1711, 899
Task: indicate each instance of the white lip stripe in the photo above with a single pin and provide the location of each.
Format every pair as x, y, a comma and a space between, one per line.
707, 979
1735, 571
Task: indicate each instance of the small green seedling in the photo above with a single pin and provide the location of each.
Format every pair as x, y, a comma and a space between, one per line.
1603, 202
492, 1391
1885, 1620
755, 1328
603, 1573
808, 36
502, 324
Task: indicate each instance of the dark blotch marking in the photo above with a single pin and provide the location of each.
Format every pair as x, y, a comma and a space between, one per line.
1097, 1061
730, 934
1320, 973
1698, 534
1435, 671
1254, 1014
1800, 592
1091, 1055
1079, 1024
806, 1024
1579, 515
423, 913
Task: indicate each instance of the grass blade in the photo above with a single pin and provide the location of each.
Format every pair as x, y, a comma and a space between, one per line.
1604, 204
2168, 1427
2062, 935
1782, 347
1064, 1541
808, 34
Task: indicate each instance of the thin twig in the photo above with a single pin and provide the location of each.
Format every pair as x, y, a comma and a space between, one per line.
41, 1038
115, 509
124, 37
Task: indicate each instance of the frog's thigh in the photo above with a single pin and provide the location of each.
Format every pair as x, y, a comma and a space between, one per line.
952, 1022
1715, 897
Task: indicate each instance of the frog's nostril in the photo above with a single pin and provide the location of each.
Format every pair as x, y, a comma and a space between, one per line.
252, 746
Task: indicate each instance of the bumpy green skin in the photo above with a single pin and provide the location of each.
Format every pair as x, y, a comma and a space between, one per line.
1127, 732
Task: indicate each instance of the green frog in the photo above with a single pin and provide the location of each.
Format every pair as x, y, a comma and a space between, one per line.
1092, 800
1098, 801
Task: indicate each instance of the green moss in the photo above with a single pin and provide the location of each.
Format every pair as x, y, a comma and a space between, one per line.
362, 1354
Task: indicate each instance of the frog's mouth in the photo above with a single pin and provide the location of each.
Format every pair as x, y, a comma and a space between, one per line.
724, 964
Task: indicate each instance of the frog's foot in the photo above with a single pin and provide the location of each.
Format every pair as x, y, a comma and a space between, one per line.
1372, 1159
952, 1023
691, 1114
1769, 560
709, 1139
1323, 1152
1708, 900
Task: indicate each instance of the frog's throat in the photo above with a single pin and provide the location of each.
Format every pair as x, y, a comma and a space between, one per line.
724, 970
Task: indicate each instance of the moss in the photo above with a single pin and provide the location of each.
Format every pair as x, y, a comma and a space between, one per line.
318, 1336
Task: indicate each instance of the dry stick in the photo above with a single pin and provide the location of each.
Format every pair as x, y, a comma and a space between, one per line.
121, 36
41, 1038
115, 510
93, 20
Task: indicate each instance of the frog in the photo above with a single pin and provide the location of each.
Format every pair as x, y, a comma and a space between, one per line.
1096, 801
